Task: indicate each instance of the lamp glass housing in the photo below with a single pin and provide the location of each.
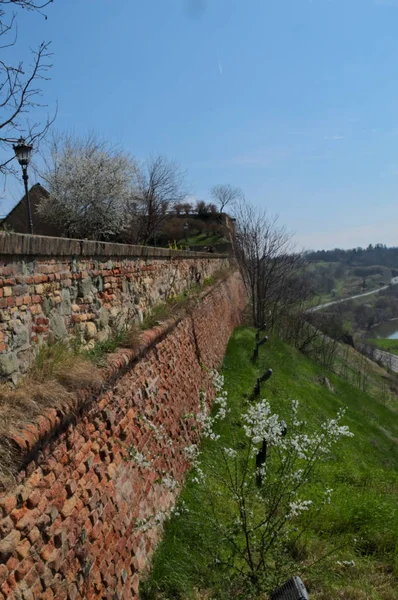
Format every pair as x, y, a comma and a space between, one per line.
23, 152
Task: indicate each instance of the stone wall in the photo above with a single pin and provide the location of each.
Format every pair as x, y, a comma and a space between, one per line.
51, 288
69, 528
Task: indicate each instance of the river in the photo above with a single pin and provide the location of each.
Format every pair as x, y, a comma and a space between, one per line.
387, 330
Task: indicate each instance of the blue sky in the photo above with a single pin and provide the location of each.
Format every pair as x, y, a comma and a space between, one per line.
295, 101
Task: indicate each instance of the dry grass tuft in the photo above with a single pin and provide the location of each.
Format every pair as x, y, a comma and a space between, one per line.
56, 375
132, 337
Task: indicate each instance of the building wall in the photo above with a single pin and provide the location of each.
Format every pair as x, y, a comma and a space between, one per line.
69, 528
52, 288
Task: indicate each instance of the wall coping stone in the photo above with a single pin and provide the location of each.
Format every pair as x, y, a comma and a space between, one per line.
33, 437
39, 245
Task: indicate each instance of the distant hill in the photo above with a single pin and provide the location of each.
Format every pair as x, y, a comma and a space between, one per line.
343, 273
372, 255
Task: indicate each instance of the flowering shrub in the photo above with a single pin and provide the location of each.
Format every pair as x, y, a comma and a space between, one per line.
255, 491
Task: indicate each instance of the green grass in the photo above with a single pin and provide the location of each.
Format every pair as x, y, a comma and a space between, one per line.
202, 239
385, 344
362, 472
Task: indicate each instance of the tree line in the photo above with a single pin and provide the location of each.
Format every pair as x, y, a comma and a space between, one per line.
378, 254
98, 191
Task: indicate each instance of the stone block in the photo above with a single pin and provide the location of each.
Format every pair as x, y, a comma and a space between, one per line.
90, 331
21, 336
86, 287
104, 316
8, 364
57, 325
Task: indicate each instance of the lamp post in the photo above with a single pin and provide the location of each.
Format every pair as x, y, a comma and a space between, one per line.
23, 152
186, 227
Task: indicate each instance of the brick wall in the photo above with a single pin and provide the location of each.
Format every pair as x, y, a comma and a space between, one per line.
51, 288
69, 529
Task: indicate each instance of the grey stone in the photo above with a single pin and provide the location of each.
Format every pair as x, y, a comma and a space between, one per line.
46, 306
104, 316
20, 290
57, 325
73, 291
8, 363
21, 336
99, 283
85, 287
74, 268
66, 304
27, 268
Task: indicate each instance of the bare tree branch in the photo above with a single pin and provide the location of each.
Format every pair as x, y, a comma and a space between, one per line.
226, 195
266, 259
160, 186
20, 88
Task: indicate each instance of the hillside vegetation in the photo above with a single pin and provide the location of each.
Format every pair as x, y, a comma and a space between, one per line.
350, 549
343, 273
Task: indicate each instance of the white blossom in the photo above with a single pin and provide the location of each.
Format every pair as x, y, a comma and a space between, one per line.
229, 452
261, 425
295, 508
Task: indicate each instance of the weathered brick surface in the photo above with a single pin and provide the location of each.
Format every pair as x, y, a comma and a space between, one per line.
69, 529
52, 288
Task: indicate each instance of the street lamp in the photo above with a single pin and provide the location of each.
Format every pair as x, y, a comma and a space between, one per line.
186, 227
23, 152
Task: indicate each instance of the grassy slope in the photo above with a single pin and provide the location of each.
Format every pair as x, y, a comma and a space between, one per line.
362, 472
385, 344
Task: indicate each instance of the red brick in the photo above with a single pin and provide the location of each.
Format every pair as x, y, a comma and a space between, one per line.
34, 535
48, 552
8, 545
23, 568
34, 498
6, 525
3, 573
68, 506
12, 563
23, 548
42, 321
6, 590
41, 329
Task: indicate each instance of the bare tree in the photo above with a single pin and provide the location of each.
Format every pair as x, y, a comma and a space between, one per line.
160, 185
225, 195
91, 185
20, 85
267, 261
